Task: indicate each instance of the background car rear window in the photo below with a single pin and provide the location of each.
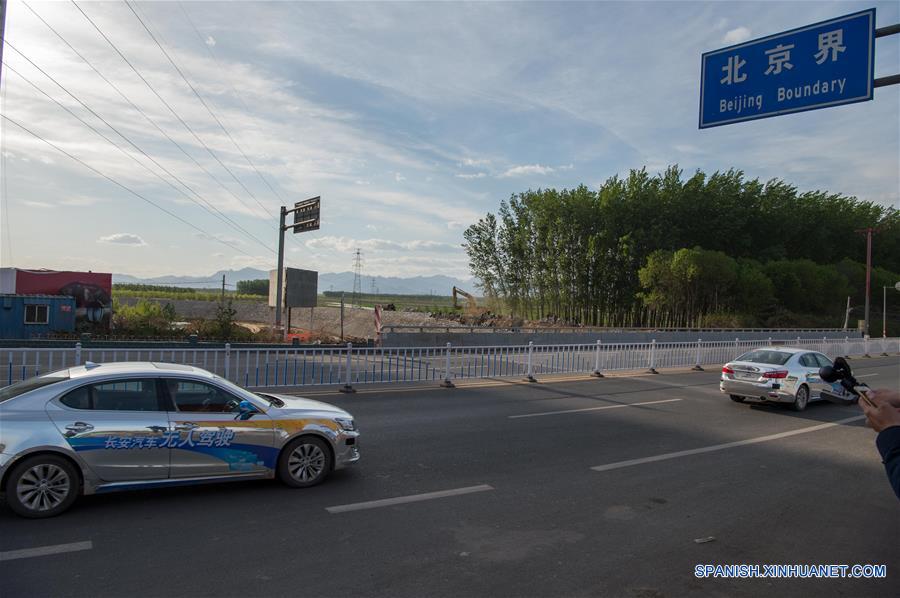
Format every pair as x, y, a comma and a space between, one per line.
768, 357
823, 361
809, 361
119, 395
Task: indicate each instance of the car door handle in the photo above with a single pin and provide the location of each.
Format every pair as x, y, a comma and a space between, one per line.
79, 427
158, 429
186, 426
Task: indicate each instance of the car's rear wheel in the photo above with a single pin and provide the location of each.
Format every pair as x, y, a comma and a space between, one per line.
304, 462
802, 399
737, 398
42, 486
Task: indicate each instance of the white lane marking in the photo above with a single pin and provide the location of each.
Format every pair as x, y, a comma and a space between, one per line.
592, 408
727, 445
399, 500
866, 375
27, 553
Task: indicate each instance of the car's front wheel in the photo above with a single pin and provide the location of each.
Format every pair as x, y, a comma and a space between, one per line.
42, 486
304, 462
802, 399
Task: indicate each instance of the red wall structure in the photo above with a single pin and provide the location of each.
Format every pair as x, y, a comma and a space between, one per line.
92, 291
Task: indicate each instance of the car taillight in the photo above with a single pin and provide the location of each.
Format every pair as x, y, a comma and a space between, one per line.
727, 370
777, 374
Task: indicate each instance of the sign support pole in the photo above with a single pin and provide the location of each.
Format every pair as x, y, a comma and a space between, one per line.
279, 287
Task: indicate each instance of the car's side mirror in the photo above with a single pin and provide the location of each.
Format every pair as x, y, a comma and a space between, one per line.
246, 409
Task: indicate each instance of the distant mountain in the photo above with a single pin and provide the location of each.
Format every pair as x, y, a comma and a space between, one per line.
394, 285
328, 281
213, 281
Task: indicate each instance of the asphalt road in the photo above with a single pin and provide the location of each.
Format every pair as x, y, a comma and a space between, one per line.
601, 489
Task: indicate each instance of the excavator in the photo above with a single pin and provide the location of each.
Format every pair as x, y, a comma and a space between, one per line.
472, 308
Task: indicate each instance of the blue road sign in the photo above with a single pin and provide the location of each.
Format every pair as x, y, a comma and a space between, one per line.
826, 64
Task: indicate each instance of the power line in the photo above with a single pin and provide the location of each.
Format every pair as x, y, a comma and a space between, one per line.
243, 104
158, 128
233, 91
126, 138
202, 101
4, 198
125, 187
156, 93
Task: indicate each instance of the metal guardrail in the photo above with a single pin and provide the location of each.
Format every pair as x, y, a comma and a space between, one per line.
349, 366
587, 329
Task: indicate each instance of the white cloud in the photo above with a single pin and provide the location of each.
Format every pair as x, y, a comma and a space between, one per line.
37, 204
473, 162
454, 225
399, 177
528, 169
736, 35
477, 175
210, 41
569, 166
123, 239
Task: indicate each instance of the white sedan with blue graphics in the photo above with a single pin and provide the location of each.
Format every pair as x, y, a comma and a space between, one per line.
119, 426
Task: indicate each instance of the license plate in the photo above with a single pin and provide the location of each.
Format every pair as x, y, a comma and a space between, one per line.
748, 376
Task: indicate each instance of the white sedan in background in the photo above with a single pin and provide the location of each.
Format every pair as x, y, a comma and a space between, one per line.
776, 375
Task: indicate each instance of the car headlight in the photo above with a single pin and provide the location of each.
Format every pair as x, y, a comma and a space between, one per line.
346, 423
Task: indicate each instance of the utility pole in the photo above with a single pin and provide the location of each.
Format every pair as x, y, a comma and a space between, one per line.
868, 277
342, 316
223, 288
884, 313
869, 231
357, 277
847, 314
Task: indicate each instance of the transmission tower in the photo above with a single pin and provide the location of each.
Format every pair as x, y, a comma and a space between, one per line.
357, 276
374, 289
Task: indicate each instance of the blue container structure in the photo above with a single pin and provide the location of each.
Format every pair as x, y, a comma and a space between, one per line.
32, 316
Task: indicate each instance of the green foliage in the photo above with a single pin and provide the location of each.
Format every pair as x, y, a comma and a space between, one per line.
665, 250
253, 287
144, 318
178, 293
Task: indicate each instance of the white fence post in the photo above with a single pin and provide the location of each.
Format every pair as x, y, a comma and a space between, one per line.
530, 377
447, 383
347, 387
77, 353
866, 344
652, 369
846, 346
596, 373
227, 360
697, 367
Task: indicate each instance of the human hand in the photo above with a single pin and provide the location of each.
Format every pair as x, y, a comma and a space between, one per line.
882, 409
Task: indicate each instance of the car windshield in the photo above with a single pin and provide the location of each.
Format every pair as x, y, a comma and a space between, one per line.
20, 388
764, 356
242, 392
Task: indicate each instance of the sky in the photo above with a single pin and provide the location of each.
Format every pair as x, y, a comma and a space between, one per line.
411, 121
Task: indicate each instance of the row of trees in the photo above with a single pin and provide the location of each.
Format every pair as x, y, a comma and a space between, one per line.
647, 250
699, 287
